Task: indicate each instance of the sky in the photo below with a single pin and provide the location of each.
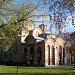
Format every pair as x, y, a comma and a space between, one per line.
69, 28
18, 1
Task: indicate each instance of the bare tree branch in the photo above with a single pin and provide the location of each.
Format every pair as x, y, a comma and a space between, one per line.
22, 19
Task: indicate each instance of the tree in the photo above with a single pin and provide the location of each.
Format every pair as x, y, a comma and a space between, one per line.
10, 22
11, 15
56, 7
72, 48
72, 39
62, 9
14, 12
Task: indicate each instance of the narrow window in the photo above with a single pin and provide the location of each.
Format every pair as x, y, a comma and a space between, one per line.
48, 55
53, 55
32, 56
39, 55
60, 55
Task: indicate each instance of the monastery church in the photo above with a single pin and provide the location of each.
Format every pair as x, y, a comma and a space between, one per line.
39, 47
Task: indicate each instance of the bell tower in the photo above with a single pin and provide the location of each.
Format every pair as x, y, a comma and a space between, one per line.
43, 27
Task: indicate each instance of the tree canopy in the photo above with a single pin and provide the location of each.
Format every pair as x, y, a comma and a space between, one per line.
10, 20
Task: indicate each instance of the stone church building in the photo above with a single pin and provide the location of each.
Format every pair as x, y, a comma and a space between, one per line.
39, 47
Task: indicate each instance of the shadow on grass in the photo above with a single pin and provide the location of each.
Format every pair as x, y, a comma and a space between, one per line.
69, 73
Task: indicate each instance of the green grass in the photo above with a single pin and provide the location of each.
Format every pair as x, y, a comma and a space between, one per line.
22, 70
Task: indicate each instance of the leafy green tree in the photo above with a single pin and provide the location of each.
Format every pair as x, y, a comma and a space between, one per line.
17, 13
11, 19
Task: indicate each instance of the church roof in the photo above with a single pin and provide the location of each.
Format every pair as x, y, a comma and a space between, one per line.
38, 38
46, 32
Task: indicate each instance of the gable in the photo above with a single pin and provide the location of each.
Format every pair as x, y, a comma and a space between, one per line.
60, 41
50, 40
30, 39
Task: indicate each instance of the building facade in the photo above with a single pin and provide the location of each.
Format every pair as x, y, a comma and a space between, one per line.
44, 48
39, 47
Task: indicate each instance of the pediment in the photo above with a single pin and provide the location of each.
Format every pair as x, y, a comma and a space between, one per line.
30, 39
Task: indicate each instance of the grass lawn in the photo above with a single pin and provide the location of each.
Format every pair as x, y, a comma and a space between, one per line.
22, 70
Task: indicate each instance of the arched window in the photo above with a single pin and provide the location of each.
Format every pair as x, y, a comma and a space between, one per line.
53, 55
32, 56
39, 55
25, 55
48, 55
60, 55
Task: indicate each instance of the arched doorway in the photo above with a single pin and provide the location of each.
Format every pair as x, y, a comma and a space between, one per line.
32, 56
60, 55
48, 55
39, 55
25, 55
53, 55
